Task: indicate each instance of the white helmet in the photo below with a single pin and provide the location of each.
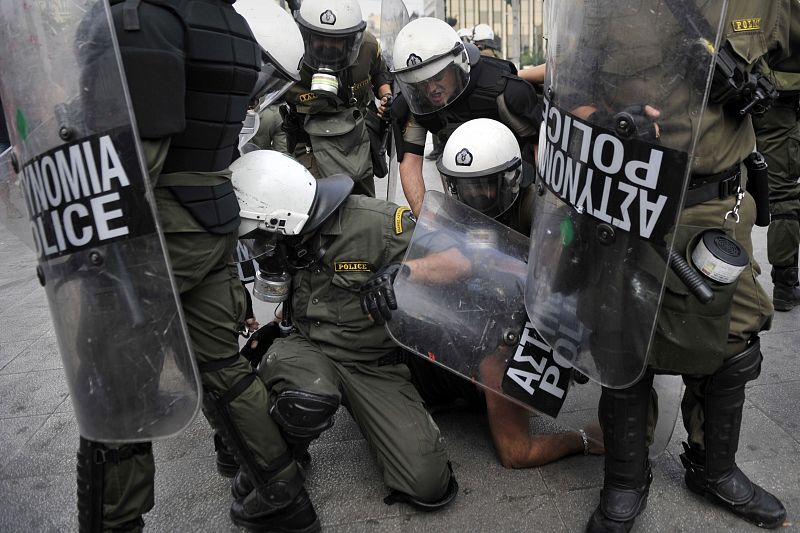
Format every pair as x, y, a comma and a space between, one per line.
481, 166
483, 34
277, 194
465, 34
281, 45
333, 31
431, 64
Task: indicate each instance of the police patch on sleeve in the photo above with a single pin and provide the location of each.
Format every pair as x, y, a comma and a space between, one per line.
398, 219
352, 266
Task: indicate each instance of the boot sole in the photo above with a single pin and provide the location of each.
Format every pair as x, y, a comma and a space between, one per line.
708, 495
267, 528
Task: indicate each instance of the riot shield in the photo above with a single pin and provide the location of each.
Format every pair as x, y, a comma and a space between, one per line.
394, 15
460, 305
91, 214
625, 90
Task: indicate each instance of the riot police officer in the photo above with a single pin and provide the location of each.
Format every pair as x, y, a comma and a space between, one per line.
483, 37
343, 70
778, 139
189, 121
325, 244
481, 166
716, 347
444, 83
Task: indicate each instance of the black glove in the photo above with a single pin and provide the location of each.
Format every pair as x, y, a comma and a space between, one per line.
377, 294
631, 122
259, 342
292, 125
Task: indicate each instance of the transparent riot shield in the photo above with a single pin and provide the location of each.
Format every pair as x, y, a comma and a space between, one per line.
460, 305
625, 92
91, 214
394, 15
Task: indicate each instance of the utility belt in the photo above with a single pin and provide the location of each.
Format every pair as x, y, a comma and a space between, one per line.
707, 187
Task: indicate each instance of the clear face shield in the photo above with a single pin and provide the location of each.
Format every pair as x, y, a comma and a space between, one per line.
331, 52
427, 88
272, 83
490, 193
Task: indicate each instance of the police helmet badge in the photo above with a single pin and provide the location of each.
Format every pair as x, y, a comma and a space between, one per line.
327, 17
463, 158
412, 60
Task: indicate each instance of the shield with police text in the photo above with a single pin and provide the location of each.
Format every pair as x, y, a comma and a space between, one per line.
624, 96
460, 305
394, 15
80, 194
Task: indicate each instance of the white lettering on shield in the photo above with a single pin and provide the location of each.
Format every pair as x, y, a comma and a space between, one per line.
592, 171
73, 196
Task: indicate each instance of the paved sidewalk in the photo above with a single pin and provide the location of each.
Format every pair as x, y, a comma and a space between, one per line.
39, 437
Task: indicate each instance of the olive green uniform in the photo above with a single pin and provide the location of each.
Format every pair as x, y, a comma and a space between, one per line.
779, 141
338, 351
339, 141
214, 306
270, 135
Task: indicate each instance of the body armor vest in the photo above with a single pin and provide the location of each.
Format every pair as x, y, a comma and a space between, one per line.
487, 80
221, 63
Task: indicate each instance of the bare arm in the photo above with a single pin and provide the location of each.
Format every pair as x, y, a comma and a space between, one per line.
508, 423
412, 180
442, 267
533, 74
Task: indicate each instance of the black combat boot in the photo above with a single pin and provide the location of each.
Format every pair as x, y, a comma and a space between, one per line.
226, 462
280, 505
713, 473
786, 294
626, 485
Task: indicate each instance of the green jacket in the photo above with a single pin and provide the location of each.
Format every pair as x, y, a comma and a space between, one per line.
364, 235
367, 74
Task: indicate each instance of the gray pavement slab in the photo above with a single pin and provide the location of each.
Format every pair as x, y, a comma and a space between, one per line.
38, 435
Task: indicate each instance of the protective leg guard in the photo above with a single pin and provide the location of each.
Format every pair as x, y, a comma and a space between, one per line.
303, 416
92, 457
449, 495
786, 294
278, 501
226, 462
713, 472
626, 485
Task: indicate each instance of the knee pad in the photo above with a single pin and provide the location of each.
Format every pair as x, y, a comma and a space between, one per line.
736, 371
303, 415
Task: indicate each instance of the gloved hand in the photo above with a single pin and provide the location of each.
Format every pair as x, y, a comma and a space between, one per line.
377, 294
635, 121
259, 342
292, 125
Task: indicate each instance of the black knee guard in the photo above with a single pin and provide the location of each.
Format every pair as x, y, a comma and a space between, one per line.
92, 457
303, 415
444, 501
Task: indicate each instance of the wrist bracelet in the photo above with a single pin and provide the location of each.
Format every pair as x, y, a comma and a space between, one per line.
585, 441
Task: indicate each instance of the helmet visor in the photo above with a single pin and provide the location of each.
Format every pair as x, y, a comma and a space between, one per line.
271, 85
328, 51
435, 92
491, 194
255, 245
